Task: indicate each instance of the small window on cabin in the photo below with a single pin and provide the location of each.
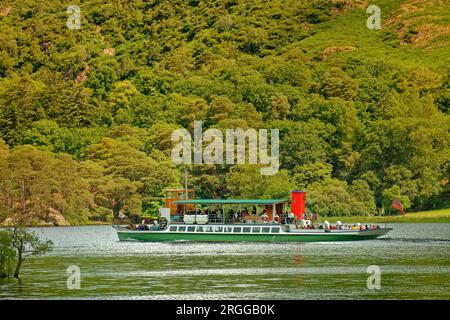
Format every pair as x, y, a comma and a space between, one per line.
182, 229
208, 229
199, 229
191, 229
237, 229
228, 229
275, 230
265, 230
246, 229
256, 230
218, 229
173, 228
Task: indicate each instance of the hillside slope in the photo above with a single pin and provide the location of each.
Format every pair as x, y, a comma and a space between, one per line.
86, 115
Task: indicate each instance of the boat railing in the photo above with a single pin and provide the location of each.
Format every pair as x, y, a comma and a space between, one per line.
227, 219
203, 219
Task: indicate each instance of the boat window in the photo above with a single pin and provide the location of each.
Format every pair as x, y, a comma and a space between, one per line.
173, 228
200, 229
276, 230
228, 229
246, 229
265, 229
218, 229
237, 229
208, 229
191, 229
182, 229
256, 230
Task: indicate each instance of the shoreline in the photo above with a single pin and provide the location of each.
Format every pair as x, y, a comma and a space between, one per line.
62, 226
432, 216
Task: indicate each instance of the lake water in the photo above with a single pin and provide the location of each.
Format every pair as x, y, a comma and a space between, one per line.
414, 260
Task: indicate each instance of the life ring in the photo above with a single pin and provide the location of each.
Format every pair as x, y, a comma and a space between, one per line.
277, 218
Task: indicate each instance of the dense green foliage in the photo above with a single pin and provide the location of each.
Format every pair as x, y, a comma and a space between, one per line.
86, 115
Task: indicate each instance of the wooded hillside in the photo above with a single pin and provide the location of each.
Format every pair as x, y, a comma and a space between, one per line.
86, 115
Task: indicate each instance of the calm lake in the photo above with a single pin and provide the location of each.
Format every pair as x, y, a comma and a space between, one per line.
414, 260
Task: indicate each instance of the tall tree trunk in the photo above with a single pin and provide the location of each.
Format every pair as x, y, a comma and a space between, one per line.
23, 195
18, 266
20, 248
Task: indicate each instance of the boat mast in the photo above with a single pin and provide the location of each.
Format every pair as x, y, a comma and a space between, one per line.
185, 187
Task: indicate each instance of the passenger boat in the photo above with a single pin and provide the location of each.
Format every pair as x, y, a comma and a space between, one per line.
245, 232
272, 226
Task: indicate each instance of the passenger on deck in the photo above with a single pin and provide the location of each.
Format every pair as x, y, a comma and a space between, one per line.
315, 217
291, 217
254, 210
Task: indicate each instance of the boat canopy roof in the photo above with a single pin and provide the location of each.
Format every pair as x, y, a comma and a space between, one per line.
233, 201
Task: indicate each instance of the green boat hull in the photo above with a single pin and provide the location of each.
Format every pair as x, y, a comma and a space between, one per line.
218, 237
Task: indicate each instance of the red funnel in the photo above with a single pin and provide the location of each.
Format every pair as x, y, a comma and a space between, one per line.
298, 202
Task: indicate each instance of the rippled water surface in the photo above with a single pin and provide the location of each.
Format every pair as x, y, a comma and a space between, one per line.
414, 260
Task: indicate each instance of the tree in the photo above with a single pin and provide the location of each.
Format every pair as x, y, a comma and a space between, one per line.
7, 254
303, 142
122, 176
311, 172
25, 243
394, 193
46, 188
246, 181
337, 83
16, 245
18, 107
5, 182
333, 197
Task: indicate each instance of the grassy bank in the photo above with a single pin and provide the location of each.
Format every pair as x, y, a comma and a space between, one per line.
437, 216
